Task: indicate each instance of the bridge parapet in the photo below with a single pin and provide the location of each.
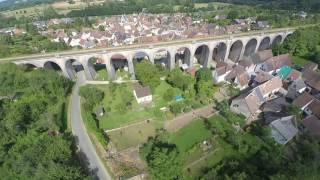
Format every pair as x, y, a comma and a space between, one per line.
200, 50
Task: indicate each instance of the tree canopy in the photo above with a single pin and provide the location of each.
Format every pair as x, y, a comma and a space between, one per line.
162, 159
34, 141
147, 74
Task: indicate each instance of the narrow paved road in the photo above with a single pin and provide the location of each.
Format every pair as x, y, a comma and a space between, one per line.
79, 130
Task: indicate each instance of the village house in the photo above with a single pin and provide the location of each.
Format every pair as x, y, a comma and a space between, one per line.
311, 125
311, 66
239, 77
284, 129
248, 104
262, 24
261, 77
273, 65
312, 79
221, 71
142, 94
248, 66
308, 104
296, 88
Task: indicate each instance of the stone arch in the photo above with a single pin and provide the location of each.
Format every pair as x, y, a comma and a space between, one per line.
162, 57
202, 55
219, 52
286, 37
120, 63
182, 56
250, 47
264, 44
140, 55
97, 68
50, 65
277, 40
30, 66
72, 67
235, 51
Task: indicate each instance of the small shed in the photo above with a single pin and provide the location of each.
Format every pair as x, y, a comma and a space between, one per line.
142, 94
100, 111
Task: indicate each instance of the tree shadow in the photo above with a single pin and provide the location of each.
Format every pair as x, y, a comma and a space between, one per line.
84, 161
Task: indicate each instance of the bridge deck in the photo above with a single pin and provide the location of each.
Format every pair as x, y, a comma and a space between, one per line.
143, 46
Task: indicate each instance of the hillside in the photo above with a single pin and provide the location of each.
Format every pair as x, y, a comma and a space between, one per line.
18, 4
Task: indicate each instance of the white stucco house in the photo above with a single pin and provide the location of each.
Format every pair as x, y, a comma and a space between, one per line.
142, 94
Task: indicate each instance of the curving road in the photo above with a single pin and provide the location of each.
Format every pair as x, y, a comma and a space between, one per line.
79, 130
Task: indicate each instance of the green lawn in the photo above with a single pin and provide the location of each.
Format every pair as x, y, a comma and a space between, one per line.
122, 74
190, 135
221, 152
132, 136
136, 112
299, 60
102, 74
114, 118
189, 139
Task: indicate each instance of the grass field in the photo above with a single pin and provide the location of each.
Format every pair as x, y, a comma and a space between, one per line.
136, 112
189, 142
61, 8
132, 136
190, 135
112, 99
299, 60
102, 73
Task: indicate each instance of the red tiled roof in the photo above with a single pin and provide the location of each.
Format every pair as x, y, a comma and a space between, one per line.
293, 75
270, 85
262, 76
279, 61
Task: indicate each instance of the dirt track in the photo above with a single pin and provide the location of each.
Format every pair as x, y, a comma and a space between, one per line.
184, 119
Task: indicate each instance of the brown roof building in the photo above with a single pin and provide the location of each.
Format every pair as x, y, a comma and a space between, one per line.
312, 125
277, 62
303, 100
274, 84
248, 104
142, 94
312, 79
311, 66
294, 75
261, 56
262, 77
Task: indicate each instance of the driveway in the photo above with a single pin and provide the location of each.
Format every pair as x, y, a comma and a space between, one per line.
87, 149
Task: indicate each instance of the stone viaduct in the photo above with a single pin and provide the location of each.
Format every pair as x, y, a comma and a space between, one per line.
203, 52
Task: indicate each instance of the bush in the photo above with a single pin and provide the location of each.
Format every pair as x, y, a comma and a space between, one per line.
169, 95
92, 96
177, 107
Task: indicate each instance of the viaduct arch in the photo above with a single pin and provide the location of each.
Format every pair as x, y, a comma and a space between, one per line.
172, 55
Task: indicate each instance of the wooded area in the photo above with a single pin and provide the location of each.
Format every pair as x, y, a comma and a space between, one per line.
34, 140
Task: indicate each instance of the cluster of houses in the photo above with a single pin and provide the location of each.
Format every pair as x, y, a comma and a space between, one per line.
137, 28
140, 28
270, 88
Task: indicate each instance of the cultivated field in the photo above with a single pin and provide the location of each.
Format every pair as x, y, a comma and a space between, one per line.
60, 7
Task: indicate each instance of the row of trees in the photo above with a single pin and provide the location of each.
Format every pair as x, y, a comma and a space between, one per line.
198, 89
34, 140
28, 43
271, 162
91, 98
256, 156
307, 5
303, 43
